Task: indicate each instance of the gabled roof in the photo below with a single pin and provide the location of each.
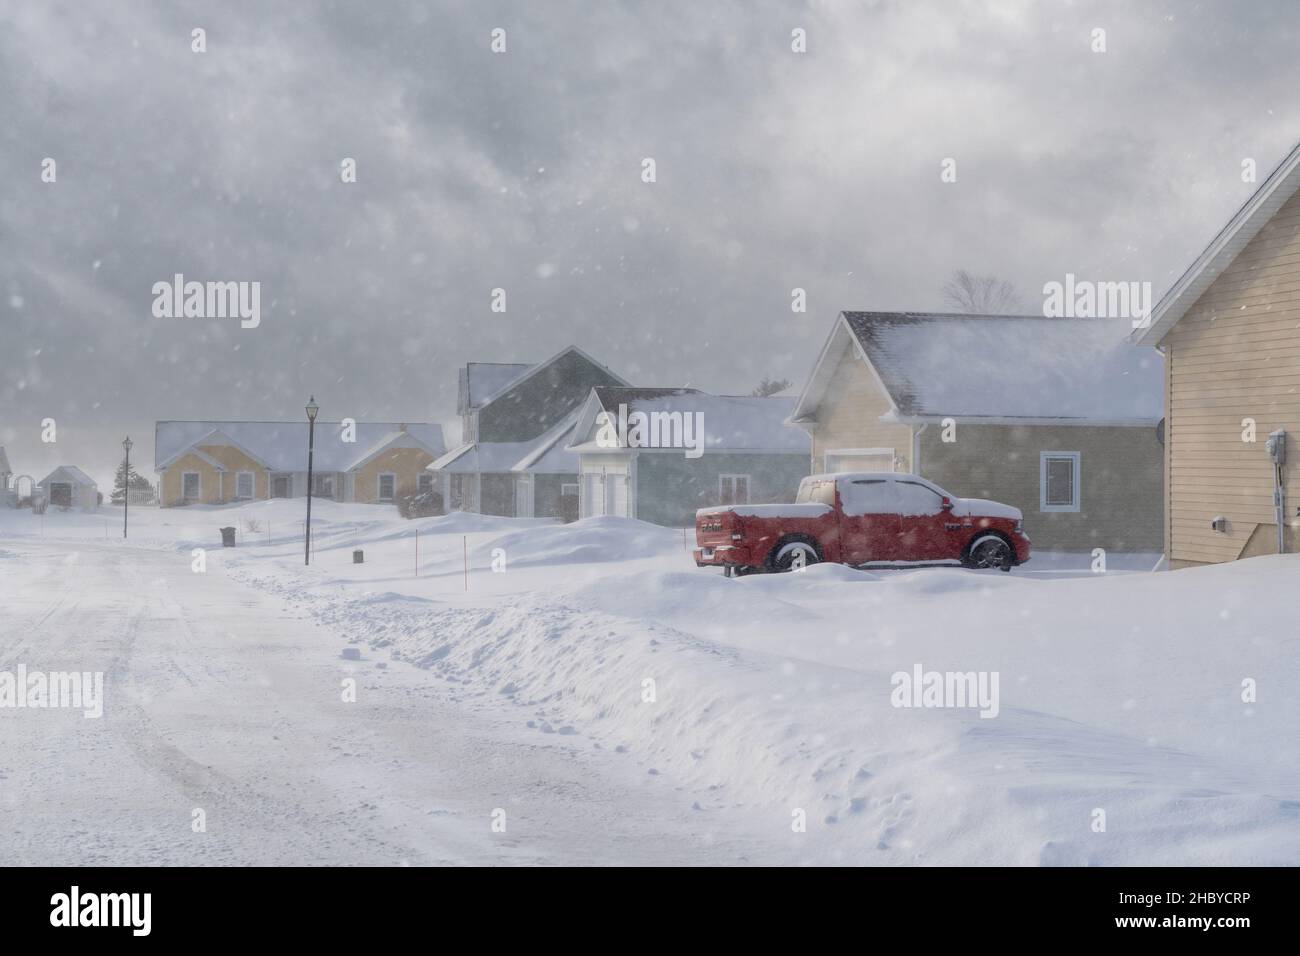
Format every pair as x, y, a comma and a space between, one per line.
546, 454
282, 446
483, 382
479, 381
549, 454
995, 368
730, 422
1271, 196
69, 472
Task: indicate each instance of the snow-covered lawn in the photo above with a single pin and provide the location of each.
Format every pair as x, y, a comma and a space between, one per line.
750, 703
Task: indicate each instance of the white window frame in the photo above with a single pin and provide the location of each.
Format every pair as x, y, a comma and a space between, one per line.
732, 478
423, 479
576, 486
198, 477
379, 486
1077, 482
252, 477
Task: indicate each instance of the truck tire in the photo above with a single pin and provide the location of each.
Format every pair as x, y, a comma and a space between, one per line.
990, 550
784, 556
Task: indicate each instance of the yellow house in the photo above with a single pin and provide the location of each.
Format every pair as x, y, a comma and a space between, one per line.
219, 462
1230, 332
1055, 416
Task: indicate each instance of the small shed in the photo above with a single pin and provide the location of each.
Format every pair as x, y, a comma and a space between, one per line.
69, 487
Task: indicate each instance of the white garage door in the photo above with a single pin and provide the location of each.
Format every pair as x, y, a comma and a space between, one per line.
876, 460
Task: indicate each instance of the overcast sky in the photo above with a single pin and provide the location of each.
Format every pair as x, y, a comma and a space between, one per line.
522, 171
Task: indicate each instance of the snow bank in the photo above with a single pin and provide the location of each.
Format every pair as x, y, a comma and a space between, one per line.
771, 694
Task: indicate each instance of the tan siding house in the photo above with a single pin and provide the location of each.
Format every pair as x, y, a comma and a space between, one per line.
1230, 331
1054, 416
220, 462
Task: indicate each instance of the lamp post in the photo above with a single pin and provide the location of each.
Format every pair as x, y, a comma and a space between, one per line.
312, 409
126, 482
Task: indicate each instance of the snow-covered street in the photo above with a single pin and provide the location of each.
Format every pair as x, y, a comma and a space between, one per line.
621, 705
220, 700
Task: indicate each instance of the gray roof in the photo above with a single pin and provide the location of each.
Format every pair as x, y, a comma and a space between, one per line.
482, 381
1024, 367
71, 472
282, 446
731, 422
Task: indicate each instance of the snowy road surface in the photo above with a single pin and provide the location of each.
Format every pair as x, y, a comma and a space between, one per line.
219, 700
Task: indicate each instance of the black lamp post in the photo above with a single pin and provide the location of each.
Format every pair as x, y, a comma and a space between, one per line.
126, 483
312, 409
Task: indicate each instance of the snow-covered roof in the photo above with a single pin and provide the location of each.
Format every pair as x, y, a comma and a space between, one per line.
68, 473
546, 454
550, 454
1271, 196
731, 422
282, 446
998, 367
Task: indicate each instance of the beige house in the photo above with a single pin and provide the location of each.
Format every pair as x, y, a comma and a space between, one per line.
1055, 416
218, 462
1230, 332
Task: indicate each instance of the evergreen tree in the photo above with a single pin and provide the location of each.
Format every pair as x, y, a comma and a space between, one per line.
138, 483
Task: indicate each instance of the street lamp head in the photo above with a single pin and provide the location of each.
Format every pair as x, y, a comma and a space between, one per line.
127, 443
312, 409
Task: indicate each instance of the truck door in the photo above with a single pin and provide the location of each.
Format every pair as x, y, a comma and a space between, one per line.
869, 525
924, 524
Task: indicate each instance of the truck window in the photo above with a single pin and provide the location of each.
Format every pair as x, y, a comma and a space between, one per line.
816, 492
917, 499
868, 496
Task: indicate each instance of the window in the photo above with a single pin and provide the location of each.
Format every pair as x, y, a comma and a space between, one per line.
868, 496
387, 484
424, 482
733, 489
917, 499
1058, 481
816, 492
244, 484
569, 488
322, 486
190, 487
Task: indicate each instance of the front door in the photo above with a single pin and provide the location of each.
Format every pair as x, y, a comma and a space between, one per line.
280, 486
869, 525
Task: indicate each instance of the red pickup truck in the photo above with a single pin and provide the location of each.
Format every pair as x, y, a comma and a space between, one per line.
884, 519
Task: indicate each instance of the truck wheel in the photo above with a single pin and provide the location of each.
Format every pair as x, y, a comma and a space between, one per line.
793, 553
990, 551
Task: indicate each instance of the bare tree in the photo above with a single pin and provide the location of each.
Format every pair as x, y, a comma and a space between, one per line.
771, 387
982, 295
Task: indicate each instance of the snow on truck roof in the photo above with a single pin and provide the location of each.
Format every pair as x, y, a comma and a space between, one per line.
1026, 368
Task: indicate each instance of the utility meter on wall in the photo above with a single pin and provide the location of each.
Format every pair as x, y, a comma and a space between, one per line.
1277, 446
